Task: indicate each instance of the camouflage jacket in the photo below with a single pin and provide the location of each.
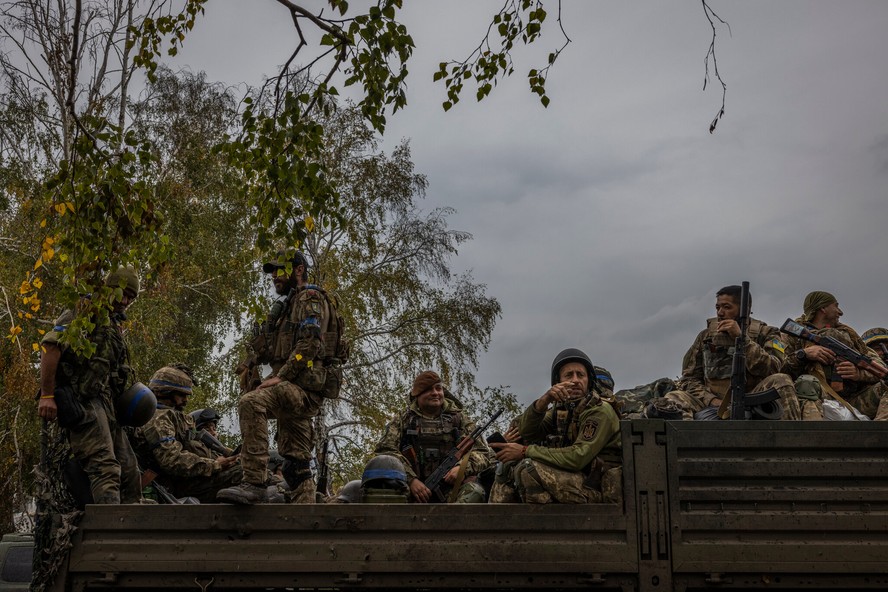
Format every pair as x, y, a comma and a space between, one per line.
294, 348
396, 438
106, 373
167, 444
708, 363
592, 429
795, 367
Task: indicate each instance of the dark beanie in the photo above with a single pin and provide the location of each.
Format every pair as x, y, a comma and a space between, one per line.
423, 382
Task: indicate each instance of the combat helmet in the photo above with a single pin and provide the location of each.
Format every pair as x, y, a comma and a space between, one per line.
202, 417
351, 493
874, 336
572, 355
136, 406
169, 379
384, 480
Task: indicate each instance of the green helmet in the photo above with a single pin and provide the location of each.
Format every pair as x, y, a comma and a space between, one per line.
351, 493
136, 406
808, 388
384, 472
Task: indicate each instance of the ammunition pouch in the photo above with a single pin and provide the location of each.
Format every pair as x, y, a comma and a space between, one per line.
94, 379
332, 382
71, 413
312, 379
296, 471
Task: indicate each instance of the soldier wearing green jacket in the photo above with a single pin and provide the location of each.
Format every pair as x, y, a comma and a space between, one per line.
580, 459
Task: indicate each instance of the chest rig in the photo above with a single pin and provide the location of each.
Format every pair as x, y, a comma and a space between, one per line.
432, 438
718, 349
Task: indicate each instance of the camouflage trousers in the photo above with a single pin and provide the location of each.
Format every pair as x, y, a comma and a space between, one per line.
538, 483
104, 452
293, 409
205, 488
692, 400
871, 401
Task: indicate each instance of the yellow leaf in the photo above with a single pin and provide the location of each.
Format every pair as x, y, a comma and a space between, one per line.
25, 287
297, 357
15, 330
48, 253
63, 257
39, 263
43, 223
309, 364
38, 283
60, 209
48, 241
41, 331
309, 223
70, 206
35, 308
29, 315
35, 346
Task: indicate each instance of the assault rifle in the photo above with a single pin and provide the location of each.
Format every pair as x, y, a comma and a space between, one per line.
323, 471
435, 481
764, 405
213, 443
841, 350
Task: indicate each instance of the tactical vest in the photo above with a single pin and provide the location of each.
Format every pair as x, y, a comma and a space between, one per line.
432, 439
567, 418
106, 373
718, 353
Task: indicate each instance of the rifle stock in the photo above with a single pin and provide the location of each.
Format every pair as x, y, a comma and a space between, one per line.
435, 481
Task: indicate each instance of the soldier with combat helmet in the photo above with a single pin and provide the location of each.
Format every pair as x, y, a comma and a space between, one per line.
579, 459
817, 370
169, 445
88, 390
302, 341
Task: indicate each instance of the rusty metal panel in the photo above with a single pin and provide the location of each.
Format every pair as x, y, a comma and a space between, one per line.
779, 504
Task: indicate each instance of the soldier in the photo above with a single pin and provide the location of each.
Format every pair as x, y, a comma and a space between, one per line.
169, 444
706, 376
422, 435
580, 458
90, 387
817, 366
206, 419
877, 340
302, 342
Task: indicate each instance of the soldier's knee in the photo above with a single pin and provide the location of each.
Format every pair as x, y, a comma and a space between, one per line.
471, 493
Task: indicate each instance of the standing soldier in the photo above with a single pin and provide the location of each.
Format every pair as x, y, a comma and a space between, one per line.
422, 435
302, 342
817, 366
168, 445
580, 458
88, 389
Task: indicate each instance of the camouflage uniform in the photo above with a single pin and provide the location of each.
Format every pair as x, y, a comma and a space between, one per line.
866, 394
430, 439
707, 371
295, 349
581, 460
168, 444
98, 441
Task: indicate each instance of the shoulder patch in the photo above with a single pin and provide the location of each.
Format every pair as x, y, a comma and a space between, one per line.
776, 345
590, 428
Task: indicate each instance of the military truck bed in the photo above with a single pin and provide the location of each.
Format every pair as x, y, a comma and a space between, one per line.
708, 505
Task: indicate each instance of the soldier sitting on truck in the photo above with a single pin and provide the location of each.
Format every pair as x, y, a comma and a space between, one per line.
171, 447
580, 459
707, 365
839, 379
422, 435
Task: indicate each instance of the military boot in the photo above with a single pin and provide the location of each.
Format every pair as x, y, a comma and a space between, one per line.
245, 493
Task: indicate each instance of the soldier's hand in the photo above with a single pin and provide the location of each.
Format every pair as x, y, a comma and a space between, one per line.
820, 354
451, 475
419, 491
512, 435
226, 461
269, 382
848, 371
47, 409
729, 326
508, 451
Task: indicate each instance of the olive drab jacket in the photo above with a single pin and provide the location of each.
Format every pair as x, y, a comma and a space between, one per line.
708, 362
427, 440
574, 437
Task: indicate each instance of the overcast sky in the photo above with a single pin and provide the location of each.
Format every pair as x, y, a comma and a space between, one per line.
609, 220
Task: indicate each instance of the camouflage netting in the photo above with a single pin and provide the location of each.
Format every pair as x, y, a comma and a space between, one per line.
57, 514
